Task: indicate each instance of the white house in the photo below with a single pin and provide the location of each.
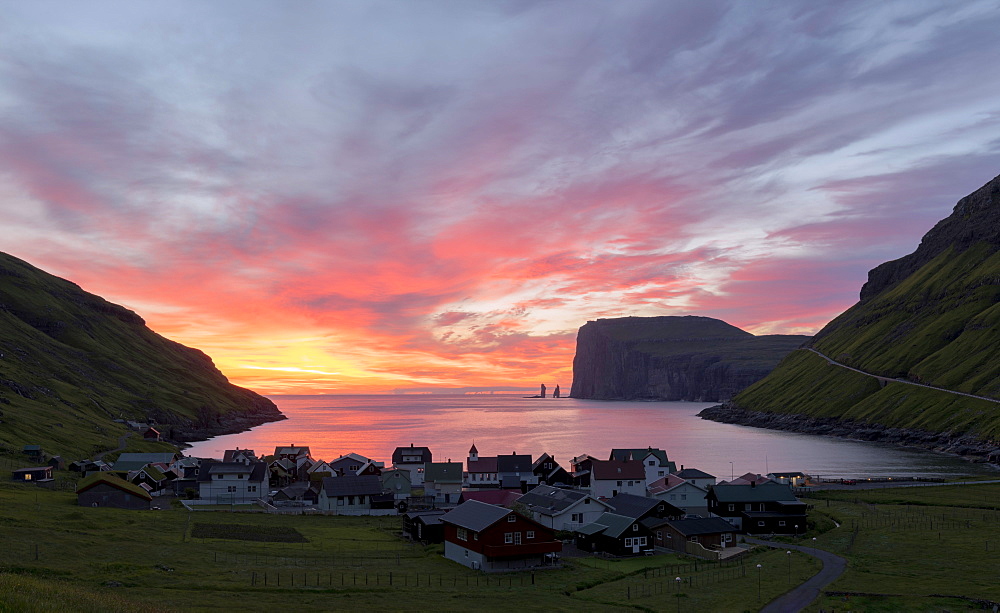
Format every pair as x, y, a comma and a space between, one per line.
612, 477
481, 471
562, 509
232, 482
353, 495
680, 493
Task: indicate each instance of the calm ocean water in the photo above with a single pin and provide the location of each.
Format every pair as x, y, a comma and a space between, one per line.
565, 427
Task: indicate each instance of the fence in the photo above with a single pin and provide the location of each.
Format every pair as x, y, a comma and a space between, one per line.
341, 579
637, 589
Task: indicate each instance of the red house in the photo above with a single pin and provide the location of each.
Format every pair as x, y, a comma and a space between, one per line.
487, 537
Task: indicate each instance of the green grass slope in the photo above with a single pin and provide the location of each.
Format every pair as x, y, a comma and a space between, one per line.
937, 325
70, 362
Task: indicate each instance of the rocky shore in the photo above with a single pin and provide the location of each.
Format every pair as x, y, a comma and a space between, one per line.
970, 448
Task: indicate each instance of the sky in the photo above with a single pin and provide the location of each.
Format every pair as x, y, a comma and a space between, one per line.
359, 197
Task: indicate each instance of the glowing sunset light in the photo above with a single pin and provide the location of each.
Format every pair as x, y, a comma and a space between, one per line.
362, 197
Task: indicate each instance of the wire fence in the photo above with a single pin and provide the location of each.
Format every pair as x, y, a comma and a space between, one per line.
637, 589
275, 578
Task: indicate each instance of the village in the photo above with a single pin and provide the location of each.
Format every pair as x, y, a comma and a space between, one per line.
492, 513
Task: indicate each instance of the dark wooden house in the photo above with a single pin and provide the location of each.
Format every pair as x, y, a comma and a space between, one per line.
32, 475
490, 538
618, 535
106, 490
758, 508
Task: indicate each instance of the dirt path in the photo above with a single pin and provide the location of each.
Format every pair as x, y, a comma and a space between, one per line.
830, 360
801, 596
122, 440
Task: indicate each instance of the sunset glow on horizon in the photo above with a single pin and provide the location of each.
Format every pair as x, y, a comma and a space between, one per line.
347, 197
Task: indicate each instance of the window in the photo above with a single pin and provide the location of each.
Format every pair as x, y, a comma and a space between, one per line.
619, 484
531, 534
732, 507
659, 473
231, 488
508, 538
642, 541
251, 488
684, 496
659, 535
576, 518
517, 538
762, 507
463, 534
727, 538
673, 496
781, 523
475, 536
760, 523
693, 539
628, 542
466, 553
340, 501
586, 501
635, 527
749, 507
240, 476
652, 463
511, 518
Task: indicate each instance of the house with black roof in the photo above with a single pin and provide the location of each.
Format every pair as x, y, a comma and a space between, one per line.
424, 526
695, 477
355, 495
641, 507
758, 508
443, 481
487, 537
104, 489
412, 459
514, 471
549, 472
654, 461
707, 537
615, 534
563, 509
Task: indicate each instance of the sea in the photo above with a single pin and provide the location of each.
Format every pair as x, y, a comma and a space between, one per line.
449, 424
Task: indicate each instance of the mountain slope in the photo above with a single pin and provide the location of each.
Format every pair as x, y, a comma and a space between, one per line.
671, 358
70, 362
931, 317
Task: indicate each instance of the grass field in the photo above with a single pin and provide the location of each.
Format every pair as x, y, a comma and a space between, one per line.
61, 557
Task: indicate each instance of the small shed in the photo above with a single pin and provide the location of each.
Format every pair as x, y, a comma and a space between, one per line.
106, 490
34, 474
151, 434
57, 463
32, 451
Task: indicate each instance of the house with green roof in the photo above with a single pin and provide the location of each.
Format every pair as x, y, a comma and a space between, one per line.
758, 508
443, 480
104, 489
654, 461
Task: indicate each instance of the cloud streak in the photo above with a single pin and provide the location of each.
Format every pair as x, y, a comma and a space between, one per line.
441, 194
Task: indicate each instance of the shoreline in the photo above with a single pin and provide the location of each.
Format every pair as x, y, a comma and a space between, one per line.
967, 448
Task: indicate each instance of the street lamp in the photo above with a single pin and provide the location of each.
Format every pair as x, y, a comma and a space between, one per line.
678, 581
759, 566
732, 472
788, 554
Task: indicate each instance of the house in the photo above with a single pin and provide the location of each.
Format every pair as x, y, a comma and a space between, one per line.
424, 526
397, 481
548, 471
351, 464
33, 475
292, 452
696, 477
561, 508
795, 479
302, 466
353, 495
612, 477
247, 456
754, 508
34, 452
151, 434
490, 538
618, 535
704, 537
580, 472
86, 467
642, 507
500, 498
150, 476
413, 460
443, 481
514, 471
747, 479
135, 461
300, 491
680, 493
103, 489
281, 472
481, 471
57, 463
319, 470
232, 482
653, 460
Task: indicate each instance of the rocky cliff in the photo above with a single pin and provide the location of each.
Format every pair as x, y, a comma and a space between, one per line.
71, 362
931, 317
671, 358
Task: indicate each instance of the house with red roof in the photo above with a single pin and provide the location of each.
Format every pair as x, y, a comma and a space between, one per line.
491, 538
609, 478
481, 471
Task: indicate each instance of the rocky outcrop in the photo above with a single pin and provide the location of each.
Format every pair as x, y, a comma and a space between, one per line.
671, 358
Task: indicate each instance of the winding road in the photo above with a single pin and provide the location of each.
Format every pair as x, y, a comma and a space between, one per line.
885, 380
801, 596
122, 440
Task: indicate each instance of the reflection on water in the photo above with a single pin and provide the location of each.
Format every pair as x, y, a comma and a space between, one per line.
565, 427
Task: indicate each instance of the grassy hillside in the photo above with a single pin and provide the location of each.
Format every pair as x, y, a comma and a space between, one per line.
932, 317
70, 362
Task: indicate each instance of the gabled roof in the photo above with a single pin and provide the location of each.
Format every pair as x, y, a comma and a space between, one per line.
764, 492
427, 518
320, 466
352, 485
257, 471
152, 472
95, 479
614, 469
694, 527
611, 524
425, 454
631, 505
514, 463
541, 459
485, 464
475, 515
639, 454
549, 500
665, 484
231, 455
747, 479
693, 473
500, 498
292, 450
443, 472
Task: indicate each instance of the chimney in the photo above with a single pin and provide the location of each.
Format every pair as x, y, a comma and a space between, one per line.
753, 484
